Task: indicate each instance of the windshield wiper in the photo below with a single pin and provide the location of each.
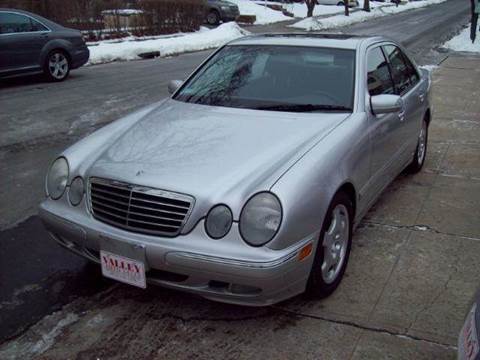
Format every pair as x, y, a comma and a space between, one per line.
303, 107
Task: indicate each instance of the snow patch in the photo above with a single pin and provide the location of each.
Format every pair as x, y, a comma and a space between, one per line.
462, 42
129, 50
264, 15
19, 349
430, 68
48, 339
360, 16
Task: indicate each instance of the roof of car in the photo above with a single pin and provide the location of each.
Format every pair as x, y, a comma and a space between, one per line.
342, 41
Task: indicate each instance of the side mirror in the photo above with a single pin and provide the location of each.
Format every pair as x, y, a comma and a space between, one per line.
386, 104
174, 85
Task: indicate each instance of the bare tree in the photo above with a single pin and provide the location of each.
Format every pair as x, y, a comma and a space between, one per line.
310, 6
366, 5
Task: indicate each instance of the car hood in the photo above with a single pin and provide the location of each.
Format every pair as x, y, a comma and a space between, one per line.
215, 154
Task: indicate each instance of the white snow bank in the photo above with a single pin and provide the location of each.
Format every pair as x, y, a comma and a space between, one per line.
264, 15
200, 40
360, 16
462, 42
430, 68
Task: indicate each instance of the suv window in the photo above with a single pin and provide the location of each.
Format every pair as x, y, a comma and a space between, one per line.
404, 74
379, 78
15, 23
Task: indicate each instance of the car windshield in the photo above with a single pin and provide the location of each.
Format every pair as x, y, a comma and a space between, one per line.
279, 78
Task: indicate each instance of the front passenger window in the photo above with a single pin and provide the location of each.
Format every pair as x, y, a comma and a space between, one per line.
379, 78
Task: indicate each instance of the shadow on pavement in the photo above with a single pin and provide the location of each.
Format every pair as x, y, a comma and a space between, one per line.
38, 277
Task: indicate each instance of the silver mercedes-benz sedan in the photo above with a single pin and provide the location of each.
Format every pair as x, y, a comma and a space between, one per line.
246, 184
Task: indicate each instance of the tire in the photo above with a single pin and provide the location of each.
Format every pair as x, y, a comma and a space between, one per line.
341, 3
57, 66
324, 279
421, 151
213, 18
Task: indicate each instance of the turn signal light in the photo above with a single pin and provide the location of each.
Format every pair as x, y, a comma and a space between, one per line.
305, 252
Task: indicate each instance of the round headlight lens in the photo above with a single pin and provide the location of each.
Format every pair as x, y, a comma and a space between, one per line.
260, 219
75, 194
219, 221
57, 178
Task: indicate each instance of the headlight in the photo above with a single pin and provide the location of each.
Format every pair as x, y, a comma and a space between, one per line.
225, 8
260, 219
57, 178
75, 194
218, 222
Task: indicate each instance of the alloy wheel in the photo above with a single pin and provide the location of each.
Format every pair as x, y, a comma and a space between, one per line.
422, 143
335, 243
58, 65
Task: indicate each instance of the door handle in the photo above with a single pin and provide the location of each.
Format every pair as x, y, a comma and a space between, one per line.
421, 97
401, 115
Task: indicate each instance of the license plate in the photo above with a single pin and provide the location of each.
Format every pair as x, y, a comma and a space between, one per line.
123, 269
468, 337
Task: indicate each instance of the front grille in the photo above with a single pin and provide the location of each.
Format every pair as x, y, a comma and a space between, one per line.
137, 208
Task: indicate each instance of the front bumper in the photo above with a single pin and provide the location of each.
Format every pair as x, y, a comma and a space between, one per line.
226, 270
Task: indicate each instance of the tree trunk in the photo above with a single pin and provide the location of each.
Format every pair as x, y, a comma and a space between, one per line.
310, 7
366, 6
347, 10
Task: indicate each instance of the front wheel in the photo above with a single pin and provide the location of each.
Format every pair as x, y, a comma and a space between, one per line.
213, 18
333, 248
421, 151
57, 66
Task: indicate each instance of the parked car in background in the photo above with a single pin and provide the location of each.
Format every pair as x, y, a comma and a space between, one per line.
469, 339
351, 3
31, 44
246, 185
219, 10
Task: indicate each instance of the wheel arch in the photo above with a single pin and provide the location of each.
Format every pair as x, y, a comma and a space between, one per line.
349, 189
57, 44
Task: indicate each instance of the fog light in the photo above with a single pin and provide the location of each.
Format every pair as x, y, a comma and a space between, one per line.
244, 289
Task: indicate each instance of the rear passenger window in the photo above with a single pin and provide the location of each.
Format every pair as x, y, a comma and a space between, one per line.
404, 74
11, 23
379, 78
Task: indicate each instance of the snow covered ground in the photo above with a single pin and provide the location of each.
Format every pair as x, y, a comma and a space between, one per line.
360, 16
462, 42
264, 15
107, 51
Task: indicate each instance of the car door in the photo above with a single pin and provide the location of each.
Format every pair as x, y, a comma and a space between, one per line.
407, 85
385, 129
21, 41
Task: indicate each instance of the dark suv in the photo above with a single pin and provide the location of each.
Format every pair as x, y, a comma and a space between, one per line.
219, 10
32, 44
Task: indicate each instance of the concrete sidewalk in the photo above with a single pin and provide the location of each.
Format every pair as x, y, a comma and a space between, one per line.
414, 268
